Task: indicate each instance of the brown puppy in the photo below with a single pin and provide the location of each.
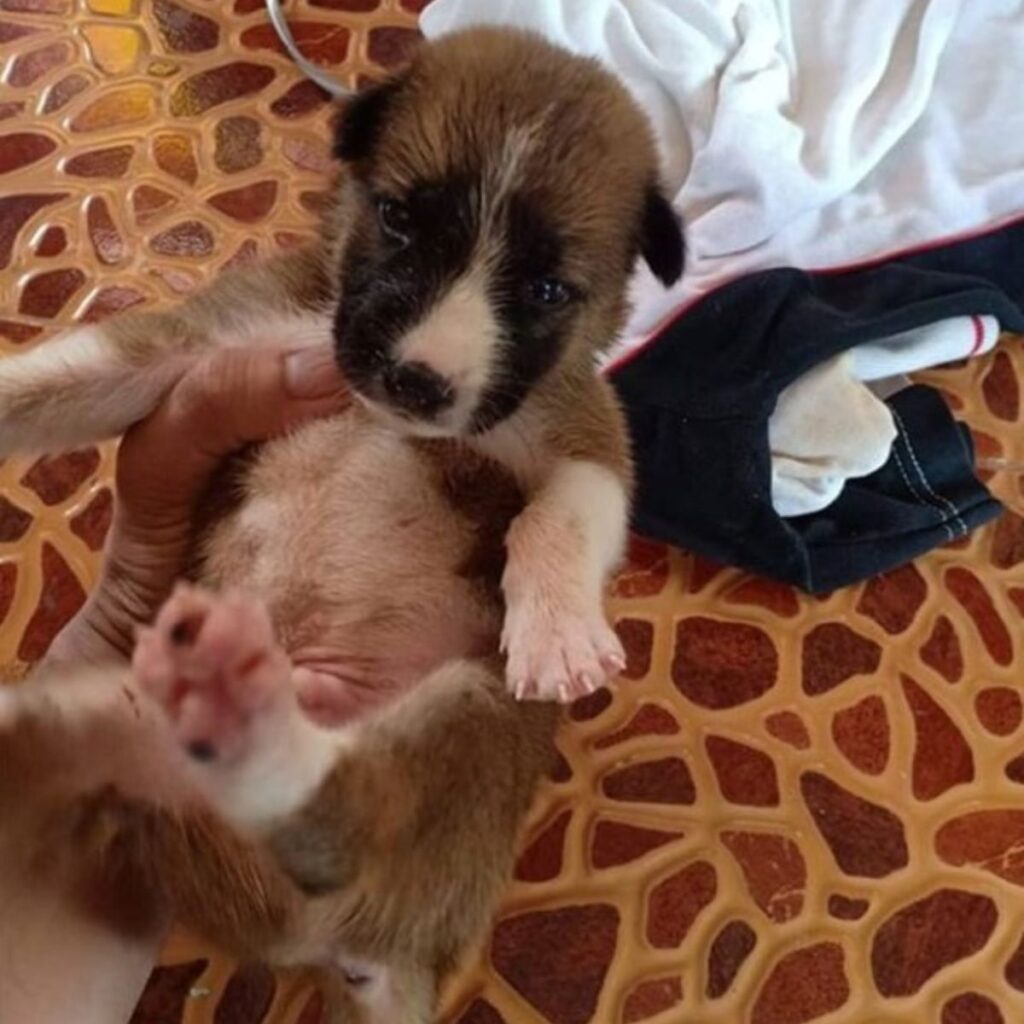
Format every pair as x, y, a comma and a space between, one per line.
474, 260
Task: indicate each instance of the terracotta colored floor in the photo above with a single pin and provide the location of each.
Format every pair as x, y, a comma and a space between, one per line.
794, 810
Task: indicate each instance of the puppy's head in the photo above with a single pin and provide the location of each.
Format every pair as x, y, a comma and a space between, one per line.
502, 191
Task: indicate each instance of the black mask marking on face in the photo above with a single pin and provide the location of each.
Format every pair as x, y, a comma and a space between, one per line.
408, 250
534, 306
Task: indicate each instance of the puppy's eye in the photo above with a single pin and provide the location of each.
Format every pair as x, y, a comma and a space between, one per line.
550, 292
395, 219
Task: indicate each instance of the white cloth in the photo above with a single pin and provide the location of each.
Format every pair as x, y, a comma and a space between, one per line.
806, 133
960, 337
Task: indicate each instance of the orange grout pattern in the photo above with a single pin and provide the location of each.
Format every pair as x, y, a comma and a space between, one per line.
794, 809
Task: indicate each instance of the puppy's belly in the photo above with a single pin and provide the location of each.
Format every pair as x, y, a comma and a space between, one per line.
361, 555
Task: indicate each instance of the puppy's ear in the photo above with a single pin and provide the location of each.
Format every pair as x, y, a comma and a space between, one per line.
661, 237
360, 120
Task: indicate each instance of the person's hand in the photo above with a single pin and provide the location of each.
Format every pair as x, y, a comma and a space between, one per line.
225, 401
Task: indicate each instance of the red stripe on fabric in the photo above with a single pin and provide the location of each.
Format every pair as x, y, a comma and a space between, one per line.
979, 335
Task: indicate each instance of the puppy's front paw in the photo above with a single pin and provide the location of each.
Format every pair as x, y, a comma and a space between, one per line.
212, 663
558, 653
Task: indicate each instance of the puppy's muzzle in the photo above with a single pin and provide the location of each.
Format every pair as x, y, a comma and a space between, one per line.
417, 389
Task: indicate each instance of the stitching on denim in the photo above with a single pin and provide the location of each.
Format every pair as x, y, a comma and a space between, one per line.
920, 498
944, 504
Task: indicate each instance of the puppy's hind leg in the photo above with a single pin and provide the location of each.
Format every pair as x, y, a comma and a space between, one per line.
87, 385
97, 380
94, 804
413, 834
212, 663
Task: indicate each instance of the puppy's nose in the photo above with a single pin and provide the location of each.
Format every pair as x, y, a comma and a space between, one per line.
418, 389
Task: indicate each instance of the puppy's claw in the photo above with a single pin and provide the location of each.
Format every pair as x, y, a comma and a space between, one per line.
185, 631
202, 750
613, 663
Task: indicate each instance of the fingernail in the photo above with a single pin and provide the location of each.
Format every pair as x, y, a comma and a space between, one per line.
312, 373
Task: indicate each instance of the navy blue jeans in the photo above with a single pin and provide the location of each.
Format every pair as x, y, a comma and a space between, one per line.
698, 399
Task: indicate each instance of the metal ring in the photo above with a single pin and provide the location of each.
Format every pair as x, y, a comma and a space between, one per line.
308, 68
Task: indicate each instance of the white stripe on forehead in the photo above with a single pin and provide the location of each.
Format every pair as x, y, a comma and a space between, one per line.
502, 174
505, 170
